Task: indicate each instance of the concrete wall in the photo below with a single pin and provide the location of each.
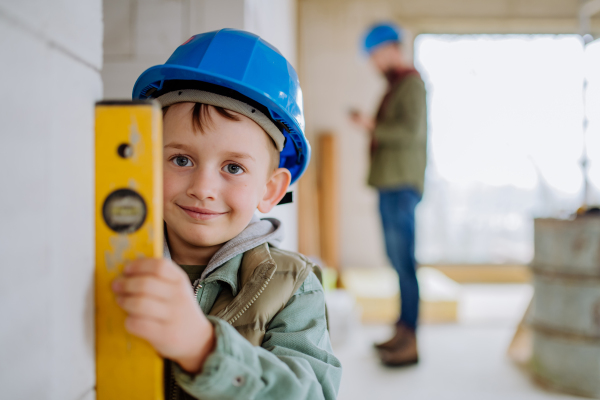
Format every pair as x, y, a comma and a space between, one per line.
336, 77
140, 34
51, 60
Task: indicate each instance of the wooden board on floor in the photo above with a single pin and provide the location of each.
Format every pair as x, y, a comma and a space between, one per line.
377, 295
485, 273
385, 310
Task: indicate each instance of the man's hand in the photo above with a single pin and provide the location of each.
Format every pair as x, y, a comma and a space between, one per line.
362, 121
161, 308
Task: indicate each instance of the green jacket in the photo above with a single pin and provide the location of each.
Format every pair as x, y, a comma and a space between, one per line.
399, 154
294, 360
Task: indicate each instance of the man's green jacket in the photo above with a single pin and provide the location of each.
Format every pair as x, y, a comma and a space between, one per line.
399, 151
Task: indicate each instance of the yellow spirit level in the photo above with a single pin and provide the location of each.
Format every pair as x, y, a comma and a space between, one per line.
129, 225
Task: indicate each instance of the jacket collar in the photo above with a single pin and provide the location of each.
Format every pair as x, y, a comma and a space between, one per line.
229, 272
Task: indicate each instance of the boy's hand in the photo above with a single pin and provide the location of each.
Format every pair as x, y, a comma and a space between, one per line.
161, 308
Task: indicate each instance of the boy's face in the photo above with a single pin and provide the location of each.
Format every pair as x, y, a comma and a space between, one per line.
214, 180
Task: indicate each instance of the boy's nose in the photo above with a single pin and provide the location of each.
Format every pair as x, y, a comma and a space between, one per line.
204, 184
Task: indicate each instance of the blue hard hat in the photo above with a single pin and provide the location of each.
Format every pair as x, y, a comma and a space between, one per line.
243, 66
381, 33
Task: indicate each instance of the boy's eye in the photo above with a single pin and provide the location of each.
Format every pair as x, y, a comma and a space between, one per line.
233, 169
182, 161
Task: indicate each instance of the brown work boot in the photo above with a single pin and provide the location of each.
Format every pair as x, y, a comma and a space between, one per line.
399, 332
403, 352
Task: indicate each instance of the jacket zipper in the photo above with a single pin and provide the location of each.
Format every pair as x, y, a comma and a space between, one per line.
247, 306
197, 286
173, 385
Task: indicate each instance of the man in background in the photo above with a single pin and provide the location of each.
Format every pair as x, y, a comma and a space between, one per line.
397, 170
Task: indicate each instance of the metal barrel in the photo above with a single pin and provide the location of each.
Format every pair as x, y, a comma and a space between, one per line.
565, 314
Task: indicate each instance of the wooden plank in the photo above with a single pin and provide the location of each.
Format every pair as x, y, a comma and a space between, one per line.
129, 224
521, 345
329, 200
485, 273
377, 295
385, 310
308, 214
438, 311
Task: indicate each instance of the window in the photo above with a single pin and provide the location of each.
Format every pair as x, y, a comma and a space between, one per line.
506, 140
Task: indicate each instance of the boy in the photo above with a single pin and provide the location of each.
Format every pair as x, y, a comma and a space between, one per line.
233, 143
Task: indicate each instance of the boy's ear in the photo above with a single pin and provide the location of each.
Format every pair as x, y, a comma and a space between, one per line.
276, 188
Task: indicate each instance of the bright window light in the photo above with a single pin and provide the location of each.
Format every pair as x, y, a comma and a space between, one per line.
506, 139
592, 107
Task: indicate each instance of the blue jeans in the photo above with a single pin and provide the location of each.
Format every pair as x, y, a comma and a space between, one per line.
397, 208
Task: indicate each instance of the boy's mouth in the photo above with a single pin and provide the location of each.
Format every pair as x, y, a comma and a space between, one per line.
202, 214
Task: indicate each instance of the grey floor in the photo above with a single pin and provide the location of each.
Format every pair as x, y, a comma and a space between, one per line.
465, 361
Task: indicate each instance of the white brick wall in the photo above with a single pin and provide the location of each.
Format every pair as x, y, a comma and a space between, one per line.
275, 21
72, 25
139, 34
158, 27
51, 58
